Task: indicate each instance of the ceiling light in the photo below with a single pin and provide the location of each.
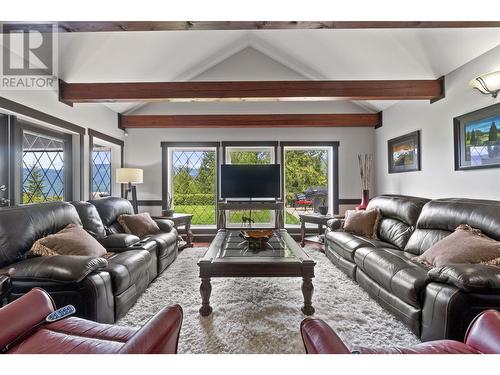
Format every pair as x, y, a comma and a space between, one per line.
488, 83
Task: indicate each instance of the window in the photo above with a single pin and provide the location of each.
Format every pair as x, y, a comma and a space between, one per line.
309, 179
43, 166
258, 154
101, 171
191, 179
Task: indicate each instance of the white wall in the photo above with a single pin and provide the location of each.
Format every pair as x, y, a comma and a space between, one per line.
438, 177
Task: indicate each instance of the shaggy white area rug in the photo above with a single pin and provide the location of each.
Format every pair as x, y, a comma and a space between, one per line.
262, 315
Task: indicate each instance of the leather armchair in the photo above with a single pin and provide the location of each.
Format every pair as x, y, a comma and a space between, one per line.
482, 337
24, 319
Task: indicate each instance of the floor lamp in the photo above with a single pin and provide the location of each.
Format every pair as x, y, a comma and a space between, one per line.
130, 176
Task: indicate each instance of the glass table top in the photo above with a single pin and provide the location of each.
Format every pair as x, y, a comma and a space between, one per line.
235, 246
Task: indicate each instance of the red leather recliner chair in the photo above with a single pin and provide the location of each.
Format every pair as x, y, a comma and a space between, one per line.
482, 337
19, 323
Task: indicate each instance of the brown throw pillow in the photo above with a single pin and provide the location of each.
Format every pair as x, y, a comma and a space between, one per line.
464, 246
139, 225
72, 240
363, 223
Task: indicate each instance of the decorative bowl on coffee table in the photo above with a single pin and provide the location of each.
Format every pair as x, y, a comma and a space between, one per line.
257, 239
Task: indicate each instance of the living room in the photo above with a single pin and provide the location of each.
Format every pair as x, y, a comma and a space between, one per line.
223, 182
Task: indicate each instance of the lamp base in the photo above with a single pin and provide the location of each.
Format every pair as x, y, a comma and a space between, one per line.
133, 190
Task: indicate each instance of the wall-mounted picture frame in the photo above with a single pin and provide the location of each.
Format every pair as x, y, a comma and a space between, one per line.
404, 153
477, 139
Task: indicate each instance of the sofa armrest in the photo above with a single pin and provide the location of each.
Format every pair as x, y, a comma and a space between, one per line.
21, 315
467, 277
319, 338
60, 268
159, 335
335, 224
118, 241
165, 225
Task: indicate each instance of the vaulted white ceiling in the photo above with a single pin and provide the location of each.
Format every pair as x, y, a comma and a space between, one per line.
288, 55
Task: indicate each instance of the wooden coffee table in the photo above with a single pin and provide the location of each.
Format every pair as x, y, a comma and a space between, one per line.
229, 256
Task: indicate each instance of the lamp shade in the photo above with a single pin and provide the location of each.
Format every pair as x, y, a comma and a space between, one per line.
126, 175
487, 83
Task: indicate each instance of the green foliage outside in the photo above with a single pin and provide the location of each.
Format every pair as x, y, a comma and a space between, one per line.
205, 215
304, 169
196, 194
33, 193
250, 157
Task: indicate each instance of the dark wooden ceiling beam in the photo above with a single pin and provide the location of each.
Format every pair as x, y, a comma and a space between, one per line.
251, 91
102, 26
251, 120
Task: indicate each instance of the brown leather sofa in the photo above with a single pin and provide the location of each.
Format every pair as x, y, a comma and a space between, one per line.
101, 289
23, 331
437, 303
482, 337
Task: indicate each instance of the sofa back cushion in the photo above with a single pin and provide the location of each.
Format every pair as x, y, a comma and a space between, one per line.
90, 218
110, 208
398, 217
21, 226
441, 217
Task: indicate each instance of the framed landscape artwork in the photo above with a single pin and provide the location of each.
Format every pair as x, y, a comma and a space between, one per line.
477, 139
404, 153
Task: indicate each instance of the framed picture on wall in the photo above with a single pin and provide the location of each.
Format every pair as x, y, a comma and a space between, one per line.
404, 153
477, 139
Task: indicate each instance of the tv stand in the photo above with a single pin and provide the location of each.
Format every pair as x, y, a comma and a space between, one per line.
223, 206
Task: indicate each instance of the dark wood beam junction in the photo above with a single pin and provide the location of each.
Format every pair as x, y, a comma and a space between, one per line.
251, 120
193, 91
107, 26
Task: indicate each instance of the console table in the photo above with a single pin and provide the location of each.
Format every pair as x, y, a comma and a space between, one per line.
277, 206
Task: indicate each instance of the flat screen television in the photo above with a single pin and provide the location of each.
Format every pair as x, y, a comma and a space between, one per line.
250, 181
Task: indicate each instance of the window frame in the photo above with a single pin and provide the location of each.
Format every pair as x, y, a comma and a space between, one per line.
94, 134
333, 169
165, 172
20, 127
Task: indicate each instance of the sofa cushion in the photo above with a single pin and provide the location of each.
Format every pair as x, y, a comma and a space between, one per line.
399, 215
362, 223
128, 268
394, 271
109, 209
21, 226
347, 243
440, 217
139, 225
72, 240
464, 246
165, 242
90, 218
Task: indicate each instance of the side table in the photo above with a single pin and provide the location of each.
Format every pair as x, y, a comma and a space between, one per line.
314, 218
181, 220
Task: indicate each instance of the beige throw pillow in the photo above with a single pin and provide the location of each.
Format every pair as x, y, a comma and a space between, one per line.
363, 223
139, 225
465, 245
72, 240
